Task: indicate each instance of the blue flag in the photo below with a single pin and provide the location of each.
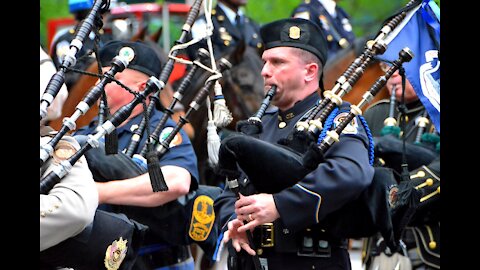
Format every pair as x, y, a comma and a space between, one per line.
421, 34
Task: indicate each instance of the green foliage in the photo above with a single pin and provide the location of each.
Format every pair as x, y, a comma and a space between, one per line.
51, 9
366, 15
267, 11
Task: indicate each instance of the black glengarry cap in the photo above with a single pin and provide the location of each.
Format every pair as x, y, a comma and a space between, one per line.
145, 58
297, 33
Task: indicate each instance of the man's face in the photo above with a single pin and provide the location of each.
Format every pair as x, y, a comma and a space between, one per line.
235, 3
285, 69
117, 96
395, 83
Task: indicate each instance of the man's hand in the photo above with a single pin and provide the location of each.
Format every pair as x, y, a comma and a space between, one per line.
239, 239
256, 210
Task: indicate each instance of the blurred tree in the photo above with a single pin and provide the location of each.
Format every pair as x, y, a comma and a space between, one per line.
366, 15
51, 9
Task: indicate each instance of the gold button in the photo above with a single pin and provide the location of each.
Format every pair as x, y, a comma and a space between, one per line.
329, 38
282, 124
259, 45
343, 43
432, 245
226, 42
259, 251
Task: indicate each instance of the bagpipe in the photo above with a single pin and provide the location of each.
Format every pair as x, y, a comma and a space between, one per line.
277, 166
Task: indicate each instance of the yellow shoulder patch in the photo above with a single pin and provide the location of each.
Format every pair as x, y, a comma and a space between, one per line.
203, 216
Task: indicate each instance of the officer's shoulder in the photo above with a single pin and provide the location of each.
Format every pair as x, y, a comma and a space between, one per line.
271, 111
62, 33
345, 106
381, 102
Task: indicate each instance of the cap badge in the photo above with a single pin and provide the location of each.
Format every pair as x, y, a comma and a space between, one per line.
115, 254
127, 53
294, 32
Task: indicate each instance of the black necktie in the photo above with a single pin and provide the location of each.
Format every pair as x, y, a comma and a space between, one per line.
240, 26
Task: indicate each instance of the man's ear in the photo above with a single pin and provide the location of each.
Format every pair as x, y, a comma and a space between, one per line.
312, 70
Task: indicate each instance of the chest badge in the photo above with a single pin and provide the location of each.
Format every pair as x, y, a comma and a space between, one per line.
115, 254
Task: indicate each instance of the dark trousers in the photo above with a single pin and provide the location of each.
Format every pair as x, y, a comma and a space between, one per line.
339, 260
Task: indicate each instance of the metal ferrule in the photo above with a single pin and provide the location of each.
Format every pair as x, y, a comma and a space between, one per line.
76, 115
346, 87
62, 169
161, 149
108, 126
232, 183
77, 44
157, 82
83, 107
177, 95
122, 59
254, 119
93, 141
135, 137
45, 151
48, 97
69, 123
194, 105
43, 111
186, 27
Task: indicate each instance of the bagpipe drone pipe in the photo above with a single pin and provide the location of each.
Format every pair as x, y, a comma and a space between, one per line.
90, 23
276, 166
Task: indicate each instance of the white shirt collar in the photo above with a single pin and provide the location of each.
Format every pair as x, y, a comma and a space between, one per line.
230, 13
329, 5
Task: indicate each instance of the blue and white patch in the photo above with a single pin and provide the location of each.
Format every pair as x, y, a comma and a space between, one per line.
177, 140
351, 128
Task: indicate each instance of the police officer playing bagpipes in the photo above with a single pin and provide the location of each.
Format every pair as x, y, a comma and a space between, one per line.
333, 19
395, 121
131, 191
286, 224
230, 26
